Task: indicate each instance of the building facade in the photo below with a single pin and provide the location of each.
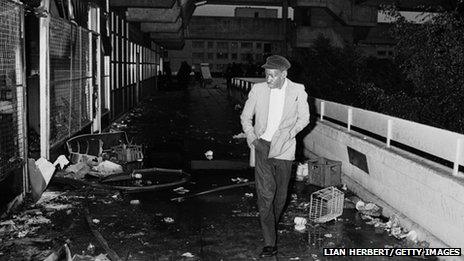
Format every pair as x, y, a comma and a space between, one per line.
220, 41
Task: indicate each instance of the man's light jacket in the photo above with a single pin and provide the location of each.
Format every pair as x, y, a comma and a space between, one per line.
295, 117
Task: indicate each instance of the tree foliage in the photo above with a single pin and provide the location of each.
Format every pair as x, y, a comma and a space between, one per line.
423, 83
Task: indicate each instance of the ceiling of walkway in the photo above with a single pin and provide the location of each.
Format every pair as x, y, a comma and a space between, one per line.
165, 20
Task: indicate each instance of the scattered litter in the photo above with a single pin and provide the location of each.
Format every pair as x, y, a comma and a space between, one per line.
303, 205
62, 161
300, 223
38, 220
101, 257
370, 209
135, 202
188, 254
119, 126
181, 190
22, 234
95, 221
107, 167
239, 180
168, 220
249, 195
328, 235
90, 249
136, 175
396, 232
209, 154
57, 207
301, 171
412, 236
79, 169
7, 223
239, 136
237, 107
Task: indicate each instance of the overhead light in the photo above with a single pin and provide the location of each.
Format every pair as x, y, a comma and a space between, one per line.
200, 3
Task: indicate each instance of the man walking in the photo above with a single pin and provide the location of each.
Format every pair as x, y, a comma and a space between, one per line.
281, 110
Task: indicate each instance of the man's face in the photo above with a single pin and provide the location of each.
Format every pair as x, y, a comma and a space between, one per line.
275, 78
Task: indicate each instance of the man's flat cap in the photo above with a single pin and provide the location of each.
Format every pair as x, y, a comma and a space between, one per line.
276, 62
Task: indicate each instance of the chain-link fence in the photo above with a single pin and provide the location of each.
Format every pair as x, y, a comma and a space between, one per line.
70, 80
12, 140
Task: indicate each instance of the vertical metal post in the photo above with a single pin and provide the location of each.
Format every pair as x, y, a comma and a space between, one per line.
389, 132
284, 26
22, 78
99, 73
137, 75
350, 118
88, 76
71, 67
44, 92
322, 110
457, 160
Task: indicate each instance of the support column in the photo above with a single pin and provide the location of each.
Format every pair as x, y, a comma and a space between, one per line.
44, 86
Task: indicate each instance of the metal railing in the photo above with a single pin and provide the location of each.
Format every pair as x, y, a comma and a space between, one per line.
437, 142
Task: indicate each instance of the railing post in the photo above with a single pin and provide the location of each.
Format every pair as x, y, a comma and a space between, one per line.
389, 131
322, 110
350, 118
459, 147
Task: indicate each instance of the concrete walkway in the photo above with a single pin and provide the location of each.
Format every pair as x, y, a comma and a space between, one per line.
176, 128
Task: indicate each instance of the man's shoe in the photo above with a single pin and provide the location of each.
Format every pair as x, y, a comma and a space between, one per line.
268, 251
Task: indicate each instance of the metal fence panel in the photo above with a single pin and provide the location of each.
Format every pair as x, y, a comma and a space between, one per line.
70, 90
11, 88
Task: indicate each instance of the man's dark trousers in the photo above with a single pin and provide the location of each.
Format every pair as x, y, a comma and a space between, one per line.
271, 177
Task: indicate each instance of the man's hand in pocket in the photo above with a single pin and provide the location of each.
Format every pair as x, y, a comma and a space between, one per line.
258, 145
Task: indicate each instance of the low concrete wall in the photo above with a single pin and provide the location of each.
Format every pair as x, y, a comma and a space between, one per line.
423, 191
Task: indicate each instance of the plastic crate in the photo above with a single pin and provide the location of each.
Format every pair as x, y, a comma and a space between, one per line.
326, 204
324, 172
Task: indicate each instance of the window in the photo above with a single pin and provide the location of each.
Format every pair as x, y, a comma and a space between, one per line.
198, 55
234, 45
258, 46
256, 14
306, 19
234, 56
223, 56
245, 57
211, 56
382, 53
210, 44
198, 44
247, 45
223, 45
267, 48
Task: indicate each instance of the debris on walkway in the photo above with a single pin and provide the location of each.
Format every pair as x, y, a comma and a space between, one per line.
239, 136
168, 220
370, 209
209, 154
239, 180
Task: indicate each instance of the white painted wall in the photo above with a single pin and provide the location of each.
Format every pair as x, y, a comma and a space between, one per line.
423, 191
